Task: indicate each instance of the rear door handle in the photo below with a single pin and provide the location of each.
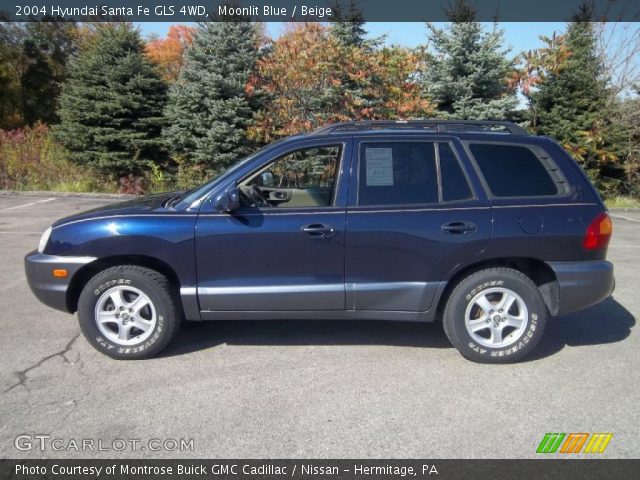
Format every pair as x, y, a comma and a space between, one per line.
319, 230
459, 228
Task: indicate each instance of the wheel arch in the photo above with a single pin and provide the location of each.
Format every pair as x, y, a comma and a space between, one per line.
538, 271
83, 275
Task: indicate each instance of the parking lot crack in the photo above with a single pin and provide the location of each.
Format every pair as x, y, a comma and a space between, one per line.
23, 374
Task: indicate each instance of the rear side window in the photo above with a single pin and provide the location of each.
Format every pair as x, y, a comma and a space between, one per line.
513, 170
398, 174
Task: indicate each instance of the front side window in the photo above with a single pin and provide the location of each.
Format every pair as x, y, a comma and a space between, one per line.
303, 178
513, 170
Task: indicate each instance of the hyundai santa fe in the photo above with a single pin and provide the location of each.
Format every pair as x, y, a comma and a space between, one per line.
476, 224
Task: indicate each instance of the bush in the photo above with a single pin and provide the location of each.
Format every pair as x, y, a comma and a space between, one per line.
31, 160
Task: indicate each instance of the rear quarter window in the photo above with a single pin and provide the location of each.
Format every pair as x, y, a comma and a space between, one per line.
517, 170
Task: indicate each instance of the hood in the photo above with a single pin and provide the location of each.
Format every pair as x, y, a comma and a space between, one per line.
137, 206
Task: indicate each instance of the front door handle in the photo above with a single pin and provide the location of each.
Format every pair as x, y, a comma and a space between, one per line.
319, 230
459, 228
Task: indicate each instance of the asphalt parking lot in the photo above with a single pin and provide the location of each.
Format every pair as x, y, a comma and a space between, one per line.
316, 389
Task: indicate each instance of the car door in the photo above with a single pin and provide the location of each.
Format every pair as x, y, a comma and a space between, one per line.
415, 213
283, 250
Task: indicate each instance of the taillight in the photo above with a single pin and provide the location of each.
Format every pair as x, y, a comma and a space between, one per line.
598, 233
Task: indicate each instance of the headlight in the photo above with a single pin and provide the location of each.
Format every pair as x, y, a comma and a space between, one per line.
44, 239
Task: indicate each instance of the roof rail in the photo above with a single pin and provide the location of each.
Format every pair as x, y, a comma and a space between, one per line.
492, 126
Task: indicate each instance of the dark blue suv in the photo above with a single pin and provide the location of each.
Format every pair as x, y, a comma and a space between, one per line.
477, 224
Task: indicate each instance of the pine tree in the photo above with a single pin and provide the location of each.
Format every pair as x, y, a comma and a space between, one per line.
467, 69
10, 70
348, 28
571, 99
39, 87
209, 108
571, 105
111, 104
46, 50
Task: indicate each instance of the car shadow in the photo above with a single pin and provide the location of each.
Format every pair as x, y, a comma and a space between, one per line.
607, 322
195, 336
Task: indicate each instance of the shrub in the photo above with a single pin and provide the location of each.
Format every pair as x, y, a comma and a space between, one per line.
31, 160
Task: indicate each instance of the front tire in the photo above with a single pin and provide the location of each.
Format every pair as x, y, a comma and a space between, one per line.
129, 312
495, 315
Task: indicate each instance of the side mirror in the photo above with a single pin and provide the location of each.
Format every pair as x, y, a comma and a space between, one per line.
229, 200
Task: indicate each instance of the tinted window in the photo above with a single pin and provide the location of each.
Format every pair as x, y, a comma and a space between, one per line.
454, 182
513, 171
397, 174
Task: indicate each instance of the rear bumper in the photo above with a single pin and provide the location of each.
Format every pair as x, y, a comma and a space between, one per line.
582, 284
48, 289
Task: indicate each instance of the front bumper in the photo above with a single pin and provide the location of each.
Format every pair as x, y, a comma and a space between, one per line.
50, 290
582, 284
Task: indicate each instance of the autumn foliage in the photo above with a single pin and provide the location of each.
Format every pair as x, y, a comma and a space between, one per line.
203, 96
313, 79
168, 53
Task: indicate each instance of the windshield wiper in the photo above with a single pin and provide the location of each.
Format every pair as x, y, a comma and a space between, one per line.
173, 200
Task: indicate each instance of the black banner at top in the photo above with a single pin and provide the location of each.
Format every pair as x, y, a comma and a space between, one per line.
310, 10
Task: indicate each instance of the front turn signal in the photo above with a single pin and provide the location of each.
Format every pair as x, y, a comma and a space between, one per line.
60, 272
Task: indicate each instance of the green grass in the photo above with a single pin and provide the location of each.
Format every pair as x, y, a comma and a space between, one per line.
84, 186
623, 202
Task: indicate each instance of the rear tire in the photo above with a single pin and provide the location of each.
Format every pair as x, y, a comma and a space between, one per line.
129, 312
495, 315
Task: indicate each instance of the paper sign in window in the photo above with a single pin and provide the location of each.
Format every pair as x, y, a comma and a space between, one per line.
379, 167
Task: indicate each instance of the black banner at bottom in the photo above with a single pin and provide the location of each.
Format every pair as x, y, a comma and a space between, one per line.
582, 468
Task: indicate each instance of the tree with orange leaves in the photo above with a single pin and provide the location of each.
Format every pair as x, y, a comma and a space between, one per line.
313, 79
300, 76
168, 53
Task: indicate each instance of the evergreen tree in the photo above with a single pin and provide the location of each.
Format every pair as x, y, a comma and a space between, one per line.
572, 98
12, 66
209, 107
46, 49
348, 28
111, 104
571, 104
39, 87
467, 69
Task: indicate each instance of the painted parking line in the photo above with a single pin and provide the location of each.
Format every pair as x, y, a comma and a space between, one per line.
622, 217
27, 204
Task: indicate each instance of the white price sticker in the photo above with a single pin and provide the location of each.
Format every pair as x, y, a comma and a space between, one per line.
379, 167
